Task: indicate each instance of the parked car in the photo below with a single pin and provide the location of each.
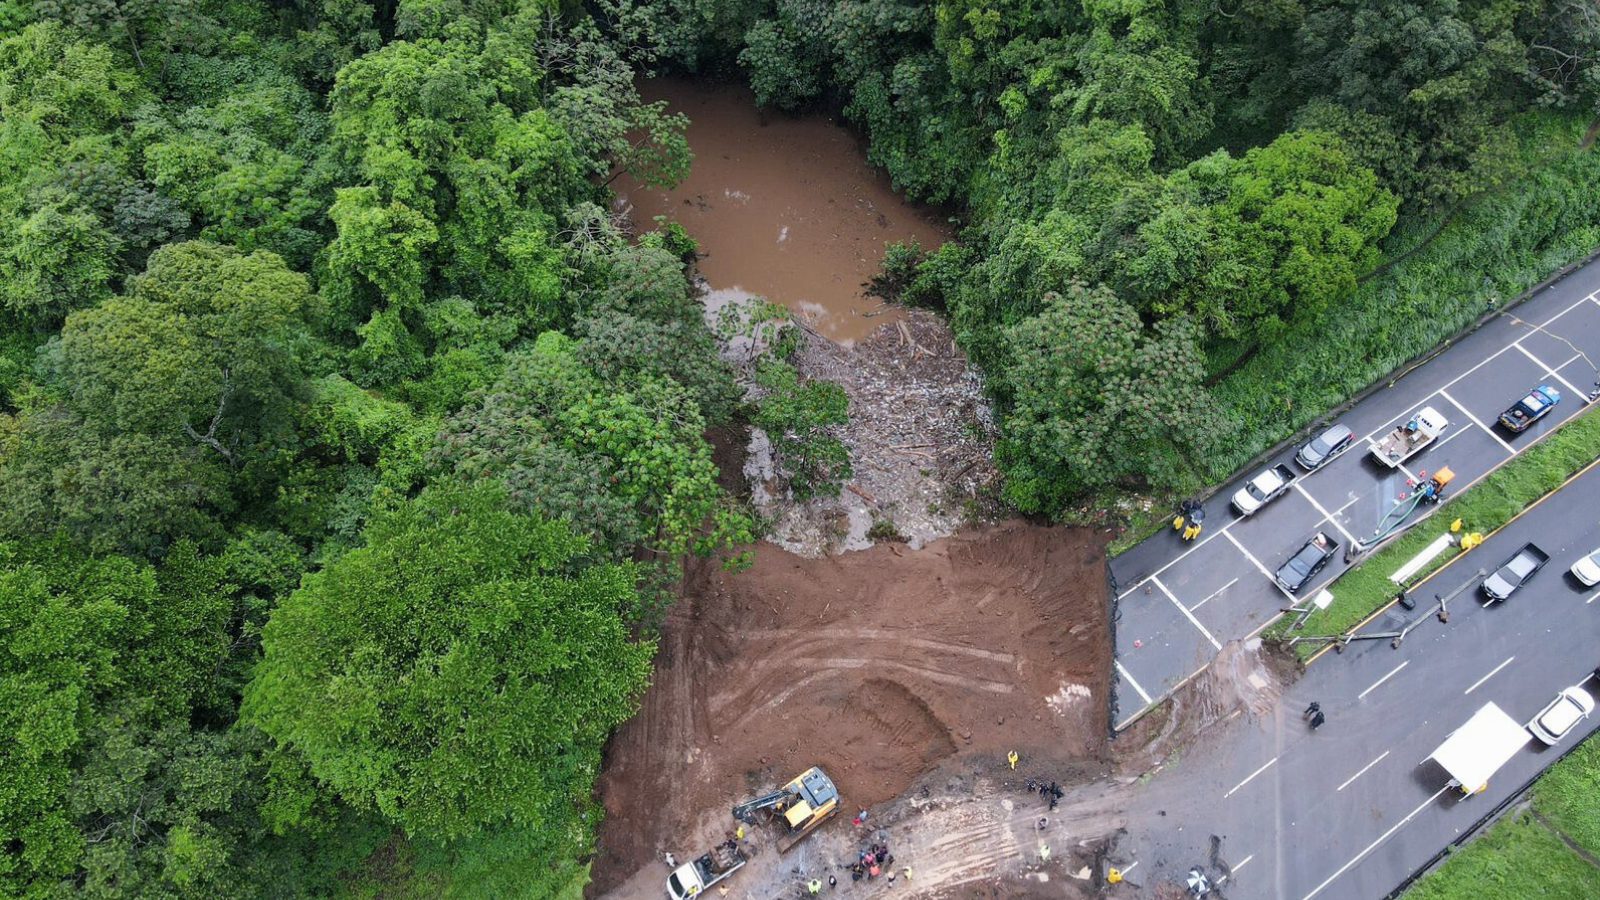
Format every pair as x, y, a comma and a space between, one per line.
1306, 562
1515, 572
1262, 489
1530, 409
1587, 570
1325, 446
1570, 707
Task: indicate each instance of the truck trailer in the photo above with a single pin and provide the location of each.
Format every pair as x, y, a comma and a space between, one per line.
1479, 748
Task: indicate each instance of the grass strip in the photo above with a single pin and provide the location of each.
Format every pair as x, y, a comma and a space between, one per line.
1517, 857
1566, 794
1484, 507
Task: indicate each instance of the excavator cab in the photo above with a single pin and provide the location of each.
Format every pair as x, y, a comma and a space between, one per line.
804, 803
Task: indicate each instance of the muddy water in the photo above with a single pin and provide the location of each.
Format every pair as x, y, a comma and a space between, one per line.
785, 208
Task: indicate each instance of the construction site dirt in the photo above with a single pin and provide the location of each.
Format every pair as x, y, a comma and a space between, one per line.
907, 675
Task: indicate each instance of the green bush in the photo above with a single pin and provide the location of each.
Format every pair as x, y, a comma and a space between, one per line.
1491, 250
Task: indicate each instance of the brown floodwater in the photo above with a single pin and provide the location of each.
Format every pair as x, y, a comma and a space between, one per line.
783, 207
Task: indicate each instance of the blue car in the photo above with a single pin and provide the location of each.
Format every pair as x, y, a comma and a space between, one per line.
1530, 409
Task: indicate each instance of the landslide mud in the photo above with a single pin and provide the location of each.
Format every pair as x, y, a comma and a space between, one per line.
783, 207
881, 666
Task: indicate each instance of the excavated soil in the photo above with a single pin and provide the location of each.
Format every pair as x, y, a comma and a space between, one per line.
881, 666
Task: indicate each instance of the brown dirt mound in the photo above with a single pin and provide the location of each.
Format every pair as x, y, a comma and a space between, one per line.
875, 665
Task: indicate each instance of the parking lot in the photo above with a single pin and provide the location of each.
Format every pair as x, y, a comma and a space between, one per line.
1177, 603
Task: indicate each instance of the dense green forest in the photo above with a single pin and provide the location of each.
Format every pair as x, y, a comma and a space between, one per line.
349, 449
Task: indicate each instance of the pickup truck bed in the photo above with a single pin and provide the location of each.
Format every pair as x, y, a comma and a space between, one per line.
1514, 572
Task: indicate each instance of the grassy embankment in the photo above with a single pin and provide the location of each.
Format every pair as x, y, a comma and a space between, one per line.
1531, 852
1492, 249
1486, 506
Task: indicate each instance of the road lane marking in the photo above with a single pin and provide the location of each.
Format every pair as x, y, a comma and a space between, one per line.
1390, 425
1553, 373
1362, 772
1591, 599
1234, 870
1252, 776
1131, 866
1326, 516
1476, 421
1213, 594
1128, 676
1381, 838
1491, 674
1259, 567
1392, 672
1185, 610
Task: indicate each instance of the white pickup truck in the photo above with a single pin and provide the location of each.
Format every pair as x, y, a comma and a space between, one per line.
1410, 438
1262, 489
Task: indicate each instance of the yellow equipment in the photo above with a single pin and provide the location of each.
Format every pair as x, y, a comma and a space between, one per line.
803, 804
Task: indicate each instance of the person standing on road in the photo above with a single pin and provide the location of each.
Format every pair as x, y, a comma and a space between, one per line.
1311, 710
815, 887
1317, 719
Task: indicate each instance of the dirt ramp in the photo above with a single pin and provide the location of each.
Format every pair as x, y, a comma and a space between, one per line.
876, 665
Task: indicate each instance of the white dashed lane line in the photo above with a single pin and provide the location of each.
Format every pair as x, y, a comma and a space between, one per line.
1362, 772
1492, 672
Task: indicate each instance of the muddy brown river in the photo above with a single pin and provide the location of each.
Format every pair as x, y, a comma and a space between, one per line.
783, 207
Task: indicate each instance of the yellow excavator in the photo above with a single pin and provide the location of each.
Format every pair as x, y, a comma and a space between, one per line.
802, 805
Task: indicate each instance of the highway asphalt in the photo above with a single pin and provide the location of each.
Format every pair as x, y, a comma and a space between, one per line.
1177, 603
1351, 810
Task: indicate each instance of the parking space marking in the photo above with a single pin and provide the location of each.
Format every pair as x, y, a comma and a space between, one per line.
1381, 838
1213, 594
1389, 425
1480, 681
1185, 610
1327, 516
1553, 373
1374, 686
1259, 567
1362, 772
1223, 531
1128, 676
1476, 421
1242, 863
1251, 778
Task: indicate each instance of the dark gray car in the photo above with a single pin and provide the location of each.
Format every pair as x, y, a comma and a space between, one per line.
1306, 562
1324, 447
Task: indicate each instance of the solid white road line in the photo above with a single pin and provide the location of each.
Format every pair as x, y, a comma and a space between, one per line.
1389, 425
1362, 772
1383, 837
1326, 516
1491, 674
1553, 373
1213, 594
1129, 677
1363, 694
1242, 863
1474, 420
1252, 776
1131, 866
1591, 599
1260, 568
1185, 610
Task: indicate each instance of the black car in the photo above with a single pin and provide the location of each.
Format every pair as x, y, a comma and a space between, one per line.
1324, 447
1306, 562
